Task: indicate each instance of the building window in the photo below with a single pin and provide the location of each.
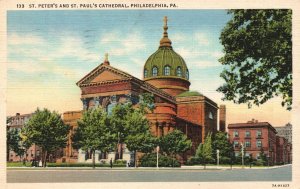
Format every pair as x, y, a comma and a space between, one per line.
236, 134
258, 133
248, 144
236, 144
178, 71
154, 71
210, 115
167, 70
258, 144
187, 74
145, 73
247, 154
257, 156
247, 134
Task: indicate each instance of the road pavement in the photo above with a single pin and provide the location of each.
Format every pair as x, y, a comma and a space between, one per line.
48, 175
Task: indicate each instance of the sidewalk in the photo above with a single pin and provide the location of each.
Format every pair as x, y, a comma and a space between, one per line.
148, 168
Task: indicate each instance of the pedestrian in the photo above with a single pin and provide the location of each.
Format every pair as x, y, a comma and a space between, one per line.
111, 163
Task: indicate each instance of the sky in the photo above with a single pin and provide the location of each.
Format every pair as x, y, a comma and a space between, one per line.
49, 51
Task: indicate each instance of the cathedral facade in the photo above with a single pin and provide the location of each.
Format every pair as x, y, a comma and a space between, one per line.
166, 76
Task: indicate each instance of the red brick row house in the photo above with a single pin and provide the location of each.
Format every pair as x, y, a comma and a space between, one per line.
256, 136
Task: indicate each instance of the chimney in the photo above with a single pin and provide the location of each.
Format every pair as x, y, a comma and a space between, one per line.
222, 118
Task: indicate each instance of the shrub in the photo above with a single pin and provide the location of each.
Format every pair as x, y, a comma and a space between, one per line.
82, 165
194, 161
120, 162
259, 162
149, 160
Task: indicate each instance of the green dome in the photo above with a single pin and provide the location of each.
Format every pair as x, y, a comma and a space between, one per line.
167, 63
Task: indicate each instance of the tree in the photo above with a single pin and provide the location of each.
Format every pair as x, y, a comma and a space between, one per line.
258, 56
174, 143
12, 141
121, 121
94, 133
222, 143
118, 122
204, 151
263, 157
47, 130
138, 136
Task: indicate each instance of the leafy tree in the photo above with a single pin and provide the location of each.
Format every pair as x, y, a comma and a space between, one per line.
263, 157
204, 151
146, 103
47, 130
174, 143
118, 122
258, 56
12, 141
138, 136
94, 132
222, 143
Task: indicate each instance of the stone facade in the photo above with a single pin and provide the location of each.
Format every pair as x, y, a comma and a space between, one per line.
285, 131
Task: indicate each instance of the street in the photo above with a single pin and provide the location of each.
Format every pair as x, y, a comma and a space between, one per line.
32, 175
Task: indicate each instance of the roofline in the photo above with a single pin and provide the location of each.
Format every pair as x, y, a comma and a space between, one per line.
249, 125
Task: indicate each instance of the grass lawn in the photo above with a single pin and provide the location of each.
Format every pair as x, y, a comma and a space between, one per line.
28, 164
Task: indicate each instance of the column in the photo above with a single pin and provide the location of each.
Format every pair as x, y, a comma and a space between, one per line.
97, 101
85, 103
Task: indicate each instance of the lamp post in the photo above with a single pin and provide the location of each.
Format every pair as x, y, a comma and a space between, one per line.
157, 150
218, 158
242, 145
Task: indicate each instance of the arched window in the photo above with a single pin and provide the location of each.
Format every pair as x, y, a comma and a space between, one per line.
145, 73
167, 70
187, 74
178, 71
154, 71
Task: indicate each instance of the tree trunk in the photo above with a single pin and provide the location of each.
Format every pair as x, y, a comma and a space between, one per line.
7, 153
44, 159
135, 158
93, 151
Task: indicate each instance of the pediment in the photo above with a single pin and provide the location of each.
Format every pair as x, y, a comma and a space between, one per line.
106, 75
103, 74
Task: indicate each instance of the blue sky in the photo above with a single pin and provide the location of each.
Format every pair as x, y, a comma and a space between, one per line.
49, 51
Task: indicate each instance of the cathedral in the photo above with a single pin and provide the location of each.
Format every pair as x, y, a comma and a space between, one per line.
166, 76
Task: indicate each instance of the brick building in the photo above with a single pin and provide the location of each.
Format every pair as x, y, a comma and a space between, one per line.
166, 76
254, 136
17, 122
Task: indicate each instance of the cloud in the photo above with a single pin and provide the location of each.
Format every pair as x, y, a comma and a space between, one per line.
178, 37
201, 39
121, 45
26, 39
203, 63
